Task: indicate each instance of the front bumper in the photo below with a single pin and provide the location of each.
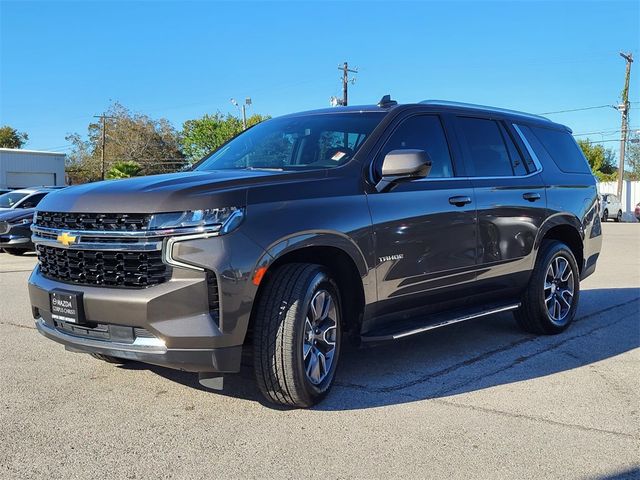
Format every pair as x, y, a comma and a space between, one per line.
223, 360
179, 329
15, 241
18, 236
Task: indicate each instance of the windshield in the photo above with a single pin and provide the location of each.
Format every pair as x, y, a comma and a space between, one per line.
8, 200
296, 143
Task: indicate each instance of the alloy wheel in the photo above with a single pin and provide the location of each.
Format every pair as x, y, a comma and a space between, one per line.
559, 287
319, 338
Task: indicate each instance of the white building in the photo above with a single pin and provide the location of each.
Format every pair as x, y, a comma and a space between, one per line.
30, 168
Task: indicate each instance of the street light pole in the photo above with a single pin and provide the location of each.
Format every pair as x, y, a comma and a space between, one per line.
243, 109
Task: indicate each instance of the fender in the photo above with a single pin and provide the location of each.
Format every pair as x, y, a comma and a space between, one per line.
555, 220
314, 238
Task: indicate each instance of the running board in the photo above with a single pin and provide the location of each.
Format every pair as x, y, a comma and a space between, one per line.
420, 327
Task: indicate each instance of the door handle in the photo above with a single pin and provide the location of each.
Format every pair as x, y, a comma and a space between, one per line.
531, 196
460, 200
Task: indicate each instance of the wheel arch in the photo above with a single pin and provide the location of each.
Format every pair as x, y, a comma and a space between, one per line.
567, 229
336, 252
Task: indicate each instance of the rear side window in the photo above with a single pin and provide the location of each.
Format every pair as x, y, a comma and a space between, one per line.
484, 145
422, 132
558, 145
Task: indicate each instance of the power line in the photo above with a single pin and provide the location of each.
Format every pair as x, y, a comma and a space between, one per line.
578, 109
603, 132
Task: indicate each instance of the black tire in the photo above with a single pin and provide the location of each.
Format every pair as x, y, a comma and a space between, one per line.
281, 334
18, 252
618, 216
605, 215
109, 358
533, 315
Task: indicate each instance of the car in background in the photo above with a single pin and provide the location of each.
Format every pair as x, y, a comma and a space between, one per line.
24, 197
15, 230
16, 216
4, 190
611, 207
636, 212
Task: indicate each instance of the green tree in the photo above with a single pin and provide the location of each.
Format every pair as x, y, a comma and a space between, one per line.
125, 169
633, 157
154, 144
204, 135
601, 160
11, 138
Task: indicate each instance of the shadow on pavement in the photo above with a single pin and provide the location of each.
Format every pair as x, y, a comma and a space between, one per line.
463, 357
632, 473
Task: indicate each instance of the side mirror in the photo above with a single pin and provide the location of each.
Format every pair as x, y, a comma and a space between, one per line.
401, 165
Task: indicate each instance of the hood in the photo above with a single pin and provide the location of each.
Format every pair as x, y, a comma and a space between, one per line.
15, 214
168, 192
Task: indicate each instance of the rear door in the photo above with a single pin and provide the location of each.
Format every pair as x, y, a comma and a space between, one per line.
511, 202
425, 243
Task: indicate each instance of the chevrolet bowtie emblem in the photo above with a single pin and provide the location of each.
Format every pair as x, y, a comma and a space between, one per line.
66, 239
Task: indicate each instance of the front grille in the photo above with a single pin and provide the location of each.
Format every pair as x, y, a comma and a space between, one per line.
101, 222
103, 268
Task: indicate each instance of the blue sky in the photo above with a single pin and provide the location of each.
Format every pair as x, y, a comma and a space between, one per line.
63, 62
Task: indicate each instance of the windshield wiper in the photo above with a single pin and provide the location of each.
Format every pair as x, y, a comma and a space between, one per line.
273, 169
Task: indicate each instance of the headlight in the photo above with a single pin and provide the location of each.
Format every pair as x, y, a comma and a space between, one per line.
225, 219
23, 221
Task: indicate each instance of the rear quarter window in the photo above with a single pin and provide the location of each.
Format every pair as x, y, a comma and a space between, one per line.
560, 146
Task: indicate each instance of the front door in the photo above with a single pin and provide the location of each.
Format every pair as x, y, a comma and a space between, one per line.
425, 229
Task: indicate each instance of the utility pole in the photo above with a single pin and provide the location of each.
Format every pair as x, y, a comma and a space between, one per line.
103, 117
624, 110
345, 80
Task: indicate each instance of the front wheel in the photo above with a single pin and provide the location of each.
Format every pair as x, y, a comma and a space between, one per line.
297, 334
551, 299
605, 215
619, 216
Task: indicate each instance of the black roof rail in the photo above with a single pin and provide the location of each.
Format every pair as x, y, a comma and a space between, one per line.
446, 103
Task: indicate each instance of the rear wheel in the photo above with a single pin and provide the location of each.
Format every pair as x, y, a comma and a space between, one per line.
619, 216
18, 252
297, 333
550, 301
108, 358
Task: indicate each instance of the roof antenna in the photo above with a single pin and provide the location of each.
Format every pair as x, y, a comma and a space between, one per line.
386, 102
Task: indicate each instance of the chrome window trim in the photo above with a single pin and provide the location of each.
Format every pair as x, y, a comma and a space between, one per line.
529, 148
532, 153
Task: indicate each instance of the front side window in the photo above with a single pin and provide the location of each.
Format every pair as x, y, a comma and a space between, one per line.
421, 132
10, 199
296, 143
484, 145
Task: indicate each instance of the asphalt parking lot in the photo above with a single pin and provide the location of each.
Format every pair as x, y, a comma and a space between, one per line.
475, 400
